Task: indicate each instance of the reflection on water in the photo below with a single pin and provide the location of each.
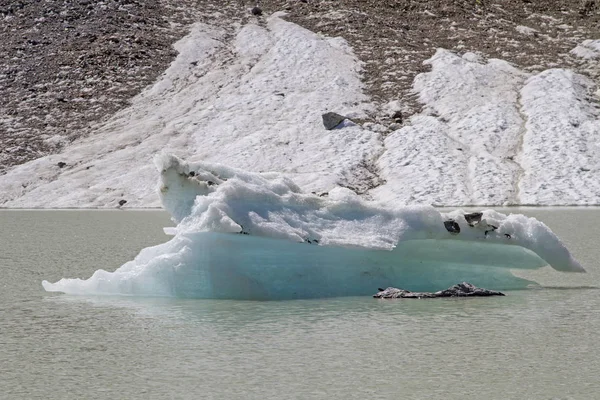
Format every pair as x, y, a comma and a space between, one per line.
537, 344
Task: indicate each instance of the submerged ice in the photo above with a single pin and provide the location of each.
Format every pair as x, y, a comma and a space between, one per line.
243, 235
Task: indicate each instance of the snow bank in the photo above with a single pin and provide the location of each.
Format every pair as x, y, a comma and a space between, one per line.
561, 144
491, 134
257, 236
253, 99
462, 150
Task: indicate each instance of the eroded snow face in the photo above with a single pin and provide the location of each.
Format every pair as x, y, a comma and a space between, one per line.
561, 144
494, 135
257, 236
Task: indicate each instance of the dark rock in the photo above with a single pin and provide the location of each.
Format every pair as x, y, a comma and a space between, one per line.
463, 289
398, 116
61, 164
588, 8
492, 228
452, 227
466, 289
121, 202
256, 11
192, 173
331, 120
473, 218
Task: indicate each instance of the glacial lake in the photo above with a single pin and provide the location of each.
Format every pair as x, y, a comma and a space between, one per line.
532, 344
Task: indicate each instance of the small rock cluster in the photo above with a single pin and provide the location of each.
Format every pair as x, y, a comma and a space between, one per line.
473, 220
463, 289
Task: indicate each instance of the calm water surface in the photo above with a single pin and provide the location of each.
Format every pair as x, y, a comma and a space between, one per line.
532, 344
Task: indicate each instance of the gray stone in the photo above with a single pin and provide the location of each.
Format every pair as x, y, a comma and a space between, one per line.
397, 116
473, 218
256, 11
463, 289
331, 120
452, 227
122, 202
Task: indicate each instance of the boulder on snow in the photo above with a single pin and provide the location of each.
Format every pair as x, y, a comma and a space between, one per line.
256, 11
452, 227
473, 218
61, 164
122, 202
463, 289
331, 120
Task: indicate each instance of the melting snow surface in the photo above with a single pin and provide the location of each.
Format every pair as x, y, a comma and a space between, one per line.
254, 102
490, 134
257, 236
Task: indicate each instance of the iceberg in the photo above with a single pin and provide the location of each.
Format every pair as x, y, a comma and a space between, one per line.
243, 235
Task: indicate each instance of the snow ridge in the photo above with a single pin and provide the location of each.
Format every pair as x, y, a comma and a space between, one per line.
461, 150
491, 134
561, 146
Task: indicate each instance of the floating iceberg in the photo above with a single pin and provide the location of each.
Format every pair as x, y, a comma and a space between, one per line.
243, 235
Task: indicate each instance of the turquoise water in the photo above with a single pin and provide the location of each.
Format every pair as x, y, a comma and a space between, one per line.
537, 344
